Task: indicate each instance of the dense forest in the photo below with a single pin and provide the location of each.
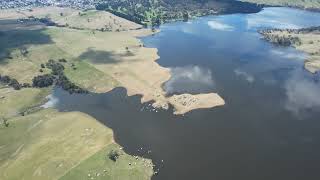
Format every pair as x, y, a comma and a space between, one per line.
154, 12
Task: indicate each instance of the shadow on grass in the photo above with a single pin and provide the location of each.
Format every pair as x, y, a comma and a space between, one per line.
103, 57
16, 35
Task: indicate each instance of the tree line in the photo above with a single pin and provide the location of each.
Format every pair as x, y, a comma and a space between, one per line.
56, 77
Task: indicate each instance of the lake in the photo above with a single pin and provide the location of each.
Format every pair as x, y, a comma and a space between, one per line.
269, 127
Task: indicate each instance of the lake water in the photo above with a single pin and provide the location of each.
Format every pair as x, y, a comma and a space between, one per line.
269, 127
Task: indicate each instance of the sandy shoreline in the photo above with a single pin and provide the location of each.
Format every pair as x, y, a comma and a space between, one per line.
182, 103
154, 77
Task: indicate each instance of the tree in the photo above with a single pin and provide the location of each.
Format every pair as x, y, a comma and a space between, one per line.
62, 60
185, 16
24, 51
56, 68
5, 79
113, 155
43, 81
156, 20
15, 84
5, 122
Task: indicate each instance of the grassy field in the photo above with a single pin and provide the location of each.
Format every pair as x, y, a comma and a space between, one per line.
24, 67
72, 18
90, 78
100, 167
48, 144
308, 4
12, 102
45, 144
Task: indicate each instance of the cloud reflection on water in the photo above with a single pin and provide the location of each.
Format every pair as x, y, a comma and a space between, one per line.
216, 25
248, 77
273, 18
52, 101
189, 79
289, 54
303, 93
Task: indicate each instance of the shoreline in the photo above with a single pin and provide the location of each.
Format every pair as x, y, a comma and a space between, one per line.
306, 40
302, 5
182, 103
133, 66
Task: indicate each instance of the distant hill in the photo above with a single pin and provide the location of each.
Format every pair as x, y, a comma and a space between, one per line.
306, 4
146, 11
157, 11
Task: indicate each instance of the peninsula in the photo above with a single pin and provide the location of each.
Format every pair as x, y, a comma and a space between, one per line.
306, 40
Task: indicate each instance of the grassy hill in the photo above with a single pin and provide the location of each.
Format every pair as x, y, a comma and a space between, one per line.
49, 145
156, 11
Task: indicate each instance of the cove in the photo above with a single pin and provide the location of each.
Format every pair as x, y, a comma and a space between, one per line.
269, 127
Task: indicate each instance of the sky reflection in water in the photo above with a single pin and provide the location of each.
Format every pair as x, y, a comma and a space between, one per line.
207, 41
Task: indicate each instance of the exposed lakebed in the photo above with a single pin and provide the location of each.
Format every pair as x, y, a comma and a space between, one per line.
269, 127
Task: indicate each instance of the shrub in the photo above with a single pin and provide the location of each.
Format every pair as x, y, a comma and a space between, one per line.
5, 79
62, 60
15, 84
25, 85
113, 155
56, 68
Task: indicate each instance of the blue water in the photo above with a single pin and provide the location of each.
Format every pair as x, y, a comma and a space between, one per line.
270, 125
222, 53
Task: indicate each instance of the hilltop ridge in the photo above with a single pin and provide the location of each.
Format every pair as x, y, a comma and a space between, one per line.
148, 12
